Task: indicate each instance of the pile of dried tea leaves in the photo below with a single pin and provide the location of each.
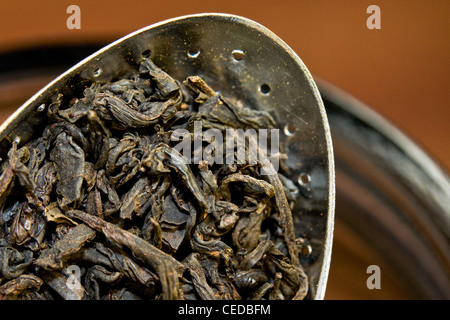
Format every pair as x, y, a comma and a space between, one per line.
101, 205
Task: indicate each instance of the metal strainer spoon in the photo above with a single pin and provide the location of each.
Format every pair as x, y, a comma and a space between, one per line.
247, 61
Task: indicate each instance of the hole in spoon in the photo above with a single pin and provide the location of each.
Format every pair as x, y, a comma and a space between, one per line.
97, 72
306, 251
304, 179
238, 55
41, 108
146, 53
264, 89
289, 129
193, 52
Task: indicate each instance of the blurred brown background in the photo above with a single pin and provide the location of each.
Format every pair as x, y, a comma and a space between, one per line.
402, 71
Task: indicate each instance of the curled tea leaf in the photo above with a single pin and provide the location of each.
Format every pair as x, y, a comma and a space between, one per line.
69, 159
53, 258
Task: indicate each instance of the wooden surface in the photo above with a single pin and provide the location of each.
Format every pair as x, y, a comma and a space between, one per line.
402, 70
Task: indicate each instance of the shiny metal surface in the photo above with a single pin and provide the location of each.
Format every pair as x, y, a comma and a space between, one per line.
250, 65
392, 194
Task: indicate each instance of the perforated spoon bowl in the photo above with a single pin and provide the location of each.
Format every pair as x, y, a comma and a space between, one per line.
251, 65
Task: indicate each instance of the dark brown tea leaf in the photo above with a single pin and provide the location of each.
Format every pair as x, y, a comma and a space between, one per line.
131, 191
